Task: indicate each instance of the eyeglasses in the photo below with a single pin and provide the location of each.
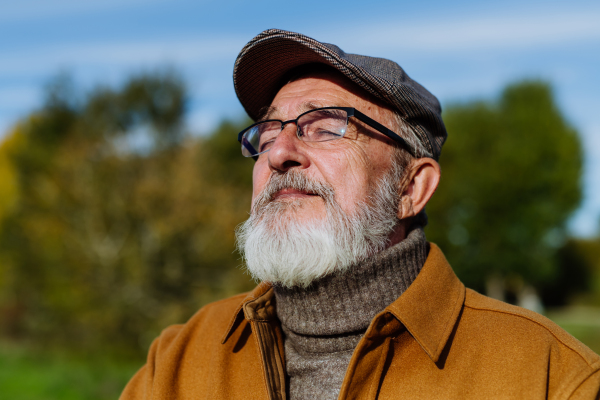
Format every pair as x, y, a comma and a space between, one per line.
318, 125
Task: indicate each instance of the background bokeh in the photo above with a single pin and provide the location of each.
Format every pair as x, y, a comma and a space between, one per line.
121, 180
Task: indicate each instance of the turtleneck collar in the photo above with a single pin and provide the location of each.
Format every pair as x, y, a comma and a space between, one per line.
344, 303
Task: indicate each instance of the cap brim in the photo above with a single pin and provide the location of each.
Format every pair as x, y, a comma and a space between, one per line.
263, 63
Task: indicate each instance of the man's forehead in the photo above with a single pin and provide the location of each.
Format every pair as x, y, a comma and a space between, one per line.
323, 88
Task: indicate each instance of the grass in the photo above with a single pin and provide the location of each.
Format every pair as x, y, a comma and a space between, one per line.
31, 375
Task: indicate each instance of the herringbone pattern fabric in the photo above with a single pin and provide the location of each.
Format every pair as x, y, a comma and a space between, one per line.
264, 61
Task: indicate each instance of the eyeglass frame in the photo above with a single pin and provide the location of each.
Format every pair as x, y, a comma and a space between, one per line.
350, 112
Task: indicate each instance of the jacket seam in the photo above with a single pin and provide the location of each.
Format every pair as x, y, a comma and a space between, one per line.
591, 375
537, 323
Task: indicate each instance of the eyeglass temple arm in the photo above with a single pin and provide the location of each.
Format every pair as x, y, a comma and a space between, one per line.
388, 132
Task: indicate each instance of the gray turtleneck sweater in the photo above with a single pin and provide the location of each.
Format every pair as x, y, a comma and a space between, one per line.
324, 323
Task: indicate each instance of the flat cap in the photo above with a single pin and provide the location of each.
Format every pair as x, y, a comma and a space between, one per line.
265, 60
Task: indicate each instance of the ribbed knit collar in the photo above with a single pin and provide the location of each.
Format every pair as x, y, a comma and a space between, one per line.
344, 303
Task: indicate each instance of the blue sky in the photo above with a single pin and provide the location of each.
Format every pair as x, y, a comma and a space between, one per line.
460, 50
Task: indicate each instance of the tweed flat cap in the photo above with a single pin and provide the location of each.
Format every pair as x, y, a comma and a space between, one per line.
264, 61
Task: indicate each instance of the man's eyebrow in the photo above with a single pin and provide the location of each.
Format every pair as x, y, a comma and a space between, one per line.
309, 105
267, 111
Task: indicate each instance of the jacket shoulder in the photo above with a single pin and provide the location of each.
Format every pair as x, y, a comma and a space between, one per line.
531, 344
516, 319
219, 315
183, 349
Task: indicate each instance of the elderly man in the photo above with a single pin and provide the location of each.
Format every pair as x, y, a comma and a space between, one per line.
354, 302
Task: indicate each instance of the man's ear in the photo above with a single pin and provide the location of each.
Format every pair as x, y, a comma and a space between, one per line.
421, 182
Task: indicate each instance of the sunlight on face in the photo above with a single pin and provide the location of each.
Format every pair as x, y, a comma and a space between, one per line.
350, 166
319, 209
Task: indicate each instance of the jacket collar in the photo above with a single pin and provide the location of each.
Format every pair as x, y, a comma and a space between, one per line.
259, 304
429, 308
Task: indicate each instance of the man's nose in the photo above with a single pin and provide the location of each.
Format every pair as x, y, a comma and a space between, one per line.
287, 151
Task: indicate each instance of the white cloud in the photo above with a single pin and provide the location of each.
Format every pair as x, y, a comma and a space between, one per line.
122, 53
515, 31
470, 34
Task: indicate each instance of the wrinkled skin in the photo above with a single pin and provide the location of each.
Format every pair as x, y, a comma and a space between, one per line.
351, 165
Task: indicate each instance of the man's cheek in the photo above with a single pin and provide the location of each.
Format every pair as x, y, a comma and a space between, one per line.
259, 180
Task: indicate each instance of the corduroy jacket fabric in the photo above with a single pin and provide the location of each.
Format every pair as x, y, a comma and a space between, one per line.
436, 341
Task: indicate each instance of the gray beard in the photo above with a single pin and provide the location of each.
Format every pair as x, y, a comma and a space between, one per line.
279, 249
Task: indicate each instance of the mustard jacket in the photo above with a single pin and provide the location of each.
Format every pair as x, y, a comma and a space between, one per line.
436, 341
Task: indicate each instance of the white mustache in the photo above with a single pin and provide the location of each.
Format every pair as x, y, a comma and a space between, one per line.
292, 179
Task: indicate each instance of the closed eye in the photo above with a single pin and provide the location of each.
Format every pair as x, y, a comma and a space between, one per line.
323, 135
266, 145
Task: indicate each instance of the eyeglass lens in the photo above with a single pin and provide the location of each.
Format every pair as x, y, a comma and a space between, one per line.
313, 126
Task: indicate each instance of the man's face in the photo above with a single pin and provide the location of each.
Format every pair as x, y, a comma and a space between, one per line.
351, 166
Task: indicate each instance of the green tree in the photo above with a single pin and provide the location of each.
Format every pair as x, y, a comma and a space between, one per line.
577, 279
510, 179
123, 224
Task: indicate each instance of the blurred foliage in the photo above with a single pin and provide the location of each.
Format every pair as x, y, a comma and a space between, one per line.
510, 179
115, 223
123, 224
8, 182
578, 279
